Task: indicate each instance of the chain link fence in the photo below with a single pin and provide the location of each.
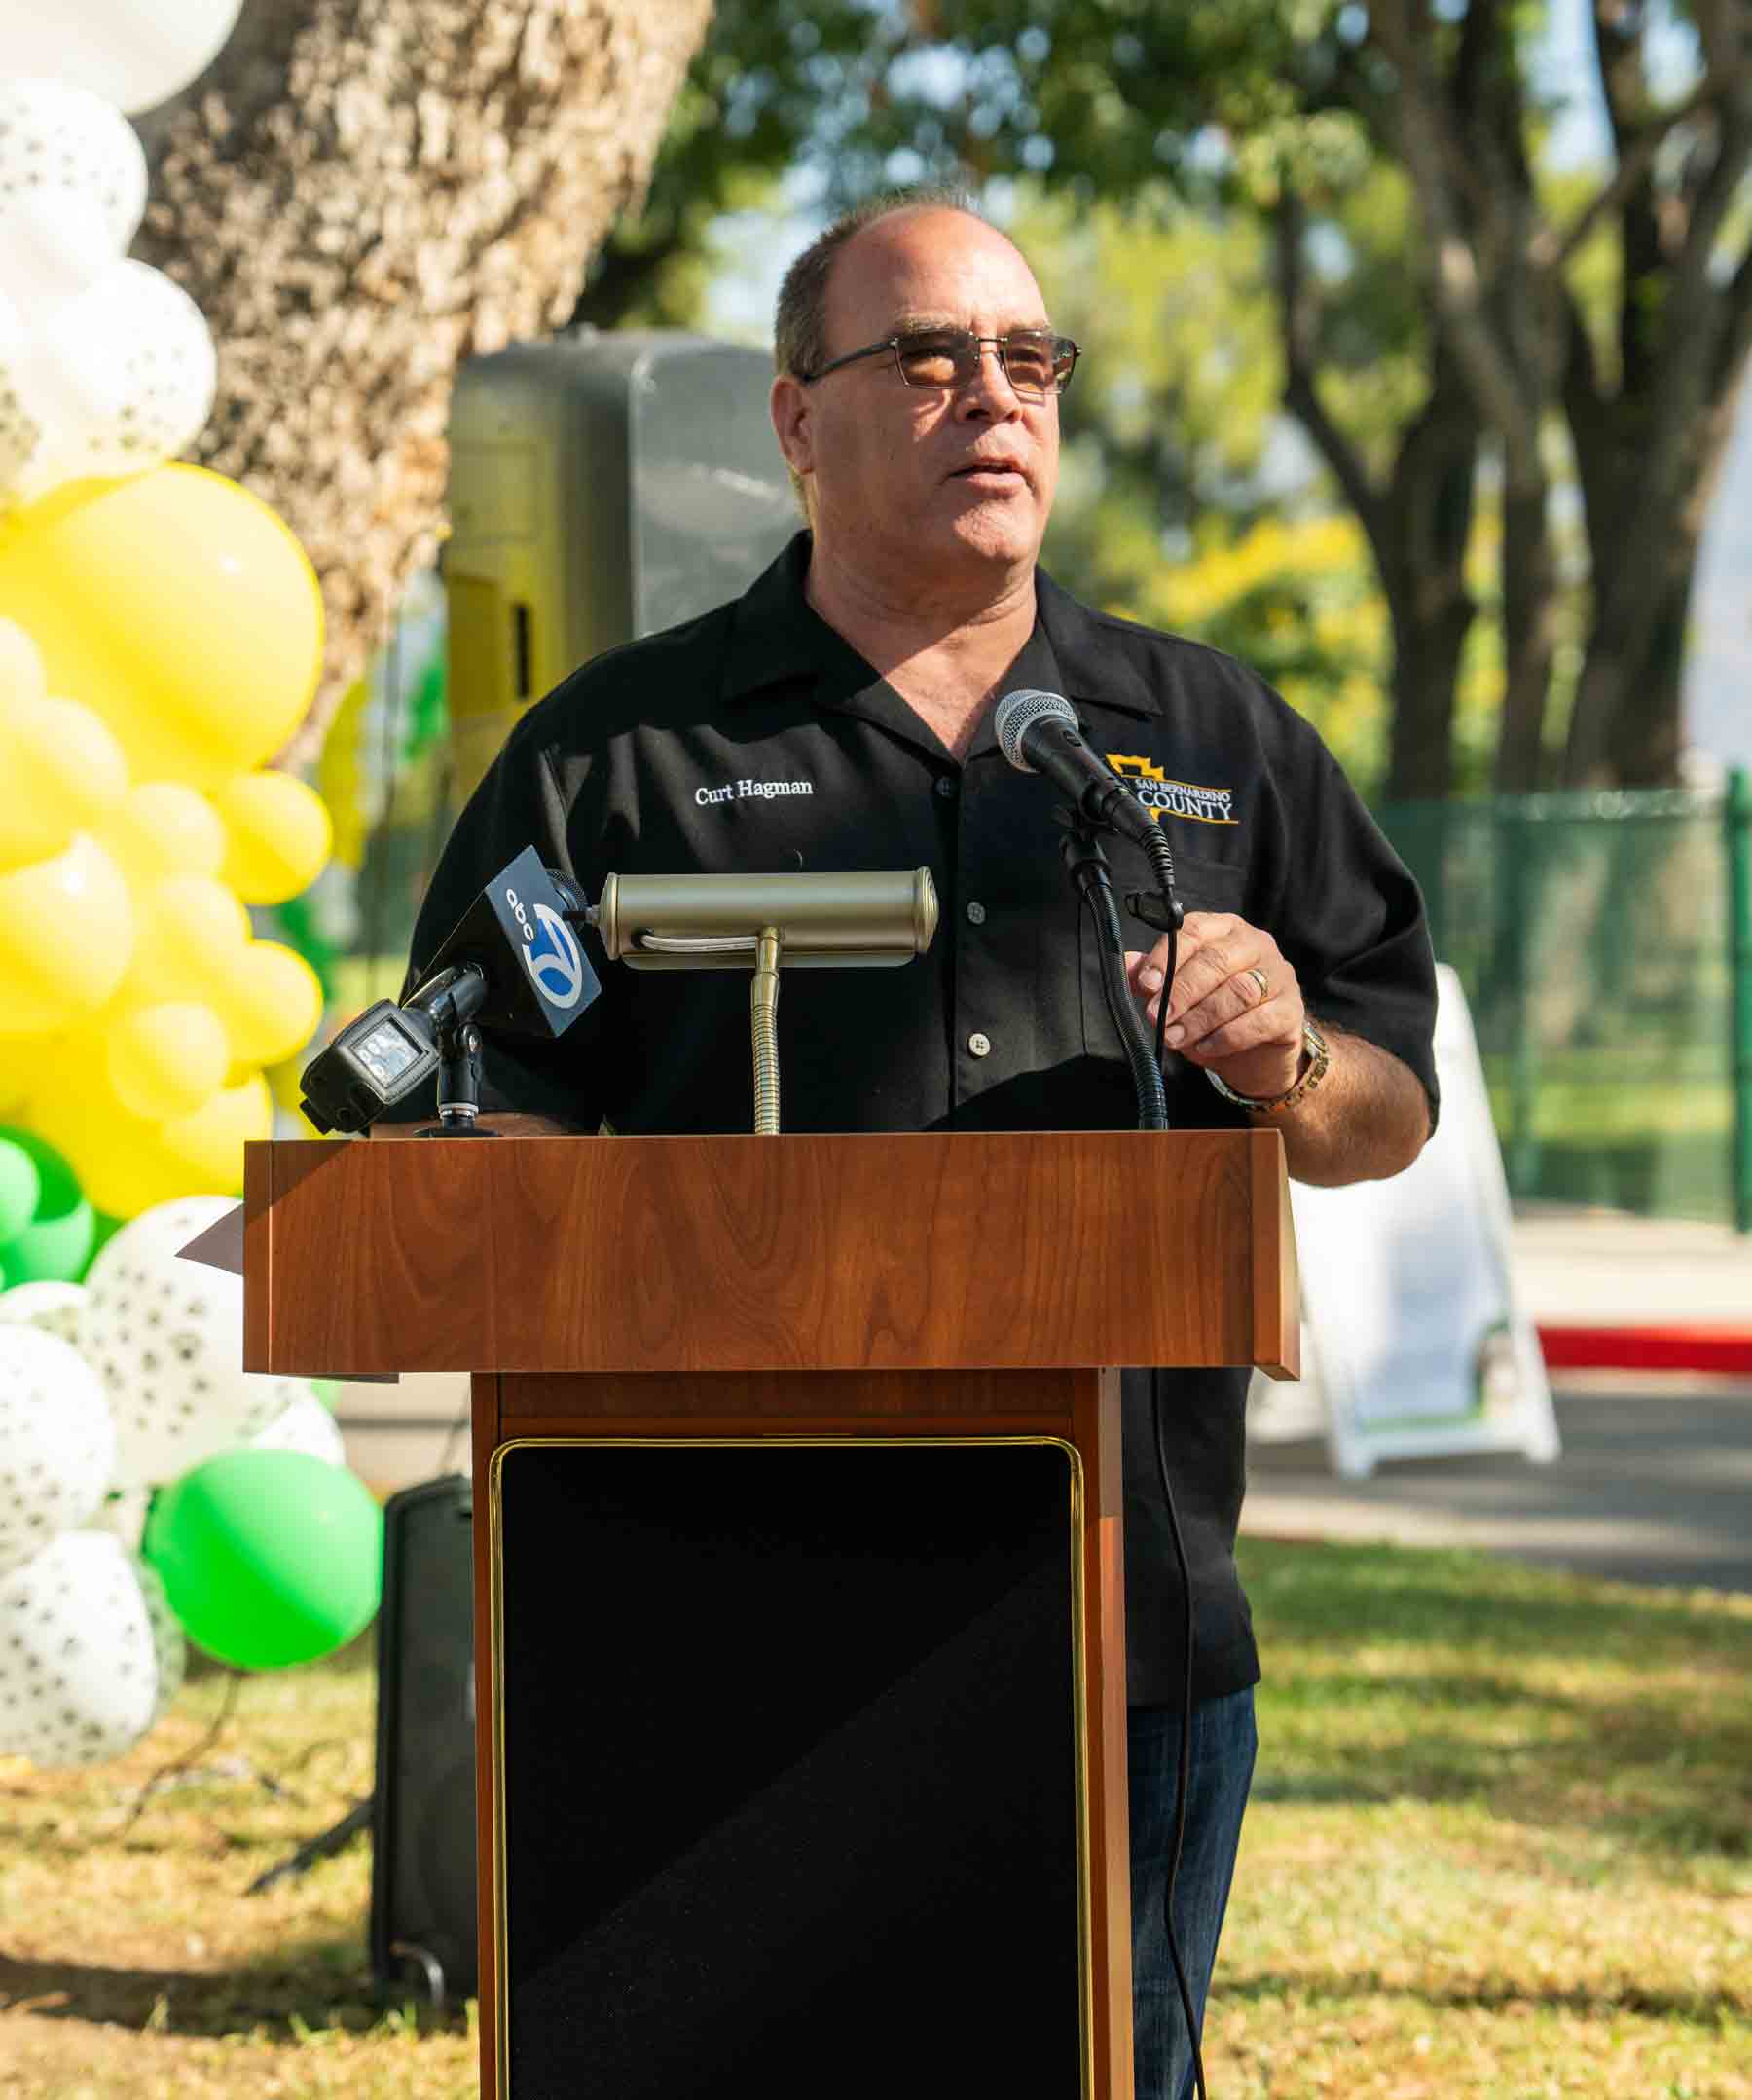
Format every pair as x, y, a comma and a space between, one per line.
1604, 945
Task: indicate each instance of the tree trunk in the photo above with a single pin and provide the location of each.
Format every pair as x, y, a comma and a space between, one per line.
1426, 666
1625, 727
359, 195
1420, 555
1643, 744
1530, 598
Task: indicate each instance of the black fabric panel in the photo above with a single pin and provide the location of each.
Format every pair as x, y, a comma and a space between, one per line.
789, 1748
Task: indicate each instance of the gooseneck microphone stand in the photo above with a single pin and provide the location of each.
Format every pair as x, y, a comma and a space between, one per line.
1087, 865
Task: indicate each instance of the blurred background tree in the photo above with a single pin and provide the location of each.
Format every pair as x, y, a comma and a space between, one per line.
1517, 377
358, 195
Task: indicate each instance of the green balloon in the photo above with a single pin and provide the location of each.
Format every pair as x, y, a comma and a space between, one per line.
20, 1186
268, 1558
55, 1245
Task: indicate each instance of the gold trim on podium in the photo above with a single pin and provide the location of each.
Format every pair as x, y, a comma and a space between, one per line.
1080, 1706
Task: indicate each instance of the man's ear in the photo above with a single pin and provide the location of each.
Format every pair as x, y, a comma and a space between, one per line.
790, 406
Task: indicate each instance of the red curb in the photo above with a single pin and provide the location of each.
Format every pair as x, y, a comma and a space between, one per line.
1719, 1349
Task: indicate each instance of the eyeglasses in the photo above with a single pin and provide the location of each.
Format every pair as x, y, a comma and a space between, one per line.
1036, 362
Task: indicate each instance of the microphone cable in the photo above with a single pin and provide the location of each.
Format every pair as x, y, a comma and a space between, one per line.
1124, 1021
1184, 1776
1162, 865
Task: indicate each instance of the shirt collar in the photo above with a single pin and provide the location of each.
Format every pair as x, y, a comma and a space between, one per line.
776, 635
1091, 666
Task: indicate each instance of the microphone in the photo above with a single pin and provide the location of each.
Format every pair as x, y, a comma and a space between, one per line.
518, 935
511, 965
1040, 734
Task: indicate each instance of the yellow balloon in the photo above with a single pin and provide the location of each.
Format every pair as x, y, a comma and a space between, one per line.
204, 1151
66, 938
61, 771
277, 835
165, 1060
21, 672
76, 1110
161, 828
23, 1061
192, 930
272, 1004
126, 1164
179, 607
340, 776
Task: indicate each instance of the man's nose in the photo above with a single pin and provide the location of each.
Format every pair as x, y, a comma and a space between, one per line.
990, 386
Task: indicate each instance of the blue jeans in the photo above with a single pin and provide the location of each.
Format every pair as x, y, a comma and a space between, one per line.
1224, 1744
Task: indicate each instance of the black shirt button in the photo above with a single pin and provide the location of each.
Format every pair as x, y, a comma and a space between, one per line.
979, 1045
976, 913
945, 786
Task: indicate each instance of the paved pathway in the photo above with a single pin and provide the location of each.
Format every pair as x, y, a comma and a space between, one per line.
1654, 1485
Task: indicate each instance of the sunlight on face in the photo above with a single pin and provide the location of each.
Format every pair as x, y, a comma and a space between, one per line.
903, 479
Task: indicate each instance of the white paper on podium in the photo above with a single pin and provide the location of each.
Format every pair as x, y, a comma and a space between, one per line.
1414, 1343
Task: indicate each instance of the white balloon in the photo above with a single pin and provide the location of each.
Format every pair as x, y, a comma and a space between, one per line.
133, 53
54, 1308
169, 1644
167, 1337
122, 378
82, 1667
58, 1441
21, 431
122, 1515
60, 140
306, 1425
53, 246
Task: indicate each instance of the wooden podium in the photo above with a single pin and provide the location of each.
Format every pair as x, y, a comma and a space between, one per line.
799, 1633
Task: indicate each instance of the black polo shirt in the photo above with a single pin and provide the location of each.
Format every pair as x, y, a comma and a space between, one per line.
754, 738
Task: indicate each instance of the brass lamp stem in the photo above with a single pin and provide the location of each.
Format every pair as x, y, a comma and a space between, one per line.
763, 1022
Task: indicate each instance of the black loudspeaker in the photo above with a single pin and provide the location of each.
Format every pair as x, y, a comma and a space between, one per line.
424, 1931
602, 487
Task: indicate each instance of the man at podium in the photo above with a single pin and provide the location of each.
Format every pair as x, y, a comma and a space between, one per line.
839, 715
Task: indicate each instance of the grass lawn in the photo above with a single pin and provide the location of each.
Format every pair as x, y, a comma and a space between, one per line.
1501, 1844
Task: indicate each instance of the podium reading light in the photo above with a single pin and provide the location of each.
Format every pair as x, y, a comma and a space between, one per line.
759, 923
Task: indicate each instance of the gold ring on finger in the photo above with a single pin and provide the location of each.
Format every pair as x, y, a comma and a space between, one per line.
1259, 977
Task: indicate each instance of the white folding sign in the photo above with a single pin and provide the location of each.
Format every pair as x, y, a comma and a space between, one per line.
1412, 1334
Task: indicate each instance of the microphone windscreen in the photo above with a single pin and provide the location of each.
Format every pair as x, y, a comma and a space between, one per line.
1019, 711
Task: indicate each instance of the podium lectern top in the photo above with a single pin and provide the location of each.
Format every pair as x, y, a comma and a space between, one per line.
869, 1253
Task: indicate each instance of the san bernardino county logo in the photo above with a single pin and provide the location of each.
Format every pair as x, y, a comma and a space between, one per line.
1165, 797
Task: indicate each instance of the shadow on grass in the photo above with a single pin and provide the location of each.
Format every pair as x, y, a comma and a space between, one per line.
1713, 2008
326, 1983
1440, 1678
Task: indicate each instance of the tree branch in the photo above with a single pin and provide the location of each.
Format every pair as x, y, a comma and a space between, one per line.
1296, 321
1736, 328
1457, 277
1617, 53
1551, 249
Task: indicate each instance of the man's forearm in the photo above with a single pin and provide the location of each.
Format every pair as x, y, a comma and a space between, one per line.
1367, 1119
